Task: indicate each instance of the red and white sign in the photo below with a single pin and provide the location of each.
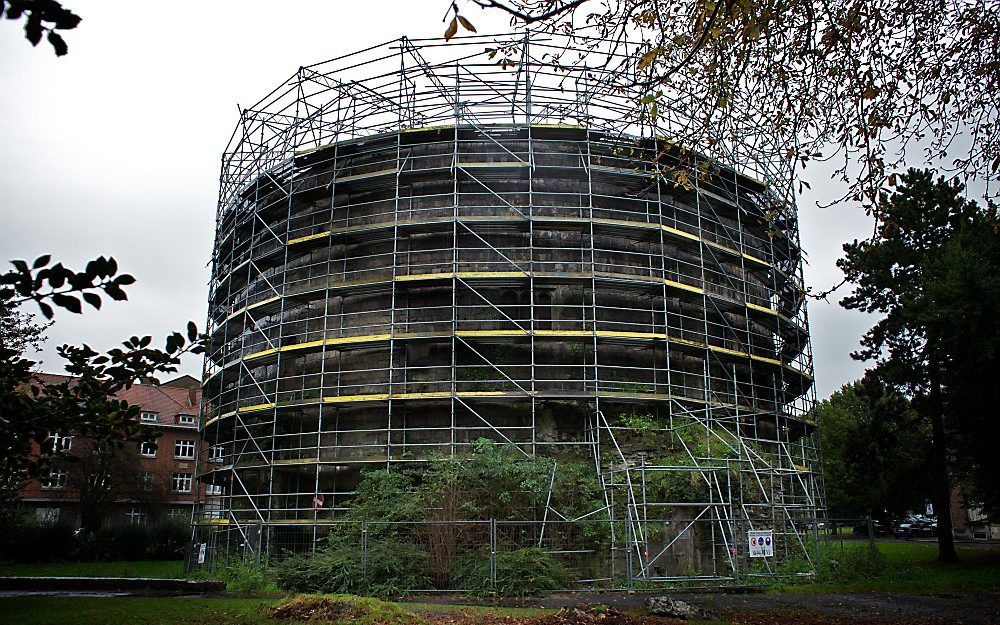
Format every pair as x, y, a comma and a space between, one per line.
318, 501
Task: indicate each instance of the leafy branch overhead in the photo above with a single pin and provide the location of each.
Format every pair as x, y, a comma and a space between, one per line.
87, 403
41, 17
872, 86
49, 285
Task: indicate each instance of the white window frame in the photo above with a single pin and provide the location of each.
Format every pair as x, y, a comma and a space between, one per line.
59, 443
184, 449
144, 480
181, 482
137, 516
101, 448
55, 479
186, 419
147, 416
215, 453
147, 454
214, 490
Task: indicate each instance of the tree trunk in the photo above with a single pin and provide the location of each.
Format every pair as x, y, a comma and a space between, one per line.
942, 479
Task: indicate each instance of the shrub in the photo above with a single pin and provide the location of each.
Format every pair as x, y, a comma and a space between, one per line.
23, 538
168, 539
520, 573
248, 577
389, 568
853, 564
116, 542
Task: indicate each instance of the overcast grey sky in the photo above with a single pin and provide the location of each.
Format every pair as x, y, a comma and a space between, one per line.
114, 149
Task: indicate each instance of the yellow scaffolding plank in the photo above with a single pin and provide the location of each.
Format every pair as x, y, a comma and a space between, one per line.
255, 407
492, 274
292, 461
368, 338
759, 261
432, 394
724, 248
311, 237
480, 164
517, 332
349, 398
684, 287
370, 174
681, 233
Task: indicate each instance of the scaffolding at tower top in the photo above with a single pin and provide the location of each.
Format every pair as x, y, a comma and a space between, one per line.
478, 80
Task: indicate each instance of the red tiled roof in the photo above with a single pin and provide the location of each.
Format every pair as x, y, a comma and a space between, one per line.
167, 401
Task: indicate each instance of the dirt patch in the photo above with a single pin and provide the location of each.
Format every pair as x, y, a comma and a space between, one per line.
332, 609
598, 615
855, 608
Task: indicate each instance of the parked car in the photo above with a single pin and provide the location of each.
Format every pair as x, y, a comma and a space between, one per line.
878, 529
915, 526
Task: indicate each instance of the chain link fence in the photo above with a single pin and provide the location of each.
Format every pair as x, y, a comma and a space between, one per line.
496, 556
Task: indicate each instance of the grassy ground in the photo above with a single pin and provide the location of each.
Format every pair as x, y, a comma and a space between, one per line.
906, 567
127, 610
162, 610
137, 568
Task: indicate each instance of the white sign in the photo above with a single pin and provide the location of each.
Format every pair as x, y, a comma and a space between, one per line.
201, 552
761, 543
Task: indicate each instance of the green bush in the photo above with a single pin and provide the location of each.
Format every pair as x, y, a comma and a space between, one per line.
389, 568
168, 539
852, 564
248, 577
23, 538
520, 573
116, 542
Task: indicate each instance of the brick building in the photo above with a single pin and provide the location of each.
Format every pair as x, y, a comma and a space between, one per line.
140, 483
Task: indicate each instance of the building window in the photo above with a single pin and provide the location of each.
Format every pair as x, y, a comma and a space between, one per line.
100, 481
47, 515
136, 516
213, 489
178, 513
186, 419
184, 449
215, 453
147, 450
145, 481
181, 482
102, 448
57, 443
149, 417
54, 479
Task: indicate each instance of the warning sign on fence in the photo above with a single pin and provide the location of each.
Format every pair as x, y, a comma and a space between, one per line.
761, 543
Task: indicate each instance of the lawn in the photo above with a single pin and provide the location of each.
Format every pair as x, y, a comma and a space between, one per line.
133, 568
129, 610
161, 610
908, 567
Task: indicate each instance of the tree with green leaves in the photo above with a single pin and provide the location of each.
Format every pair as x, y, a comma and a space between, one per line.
875, 450
868, 84
930, 271
85, 404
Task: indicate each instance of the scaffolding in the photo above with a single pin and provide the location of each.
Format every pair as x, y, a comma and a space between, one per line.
418, 247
